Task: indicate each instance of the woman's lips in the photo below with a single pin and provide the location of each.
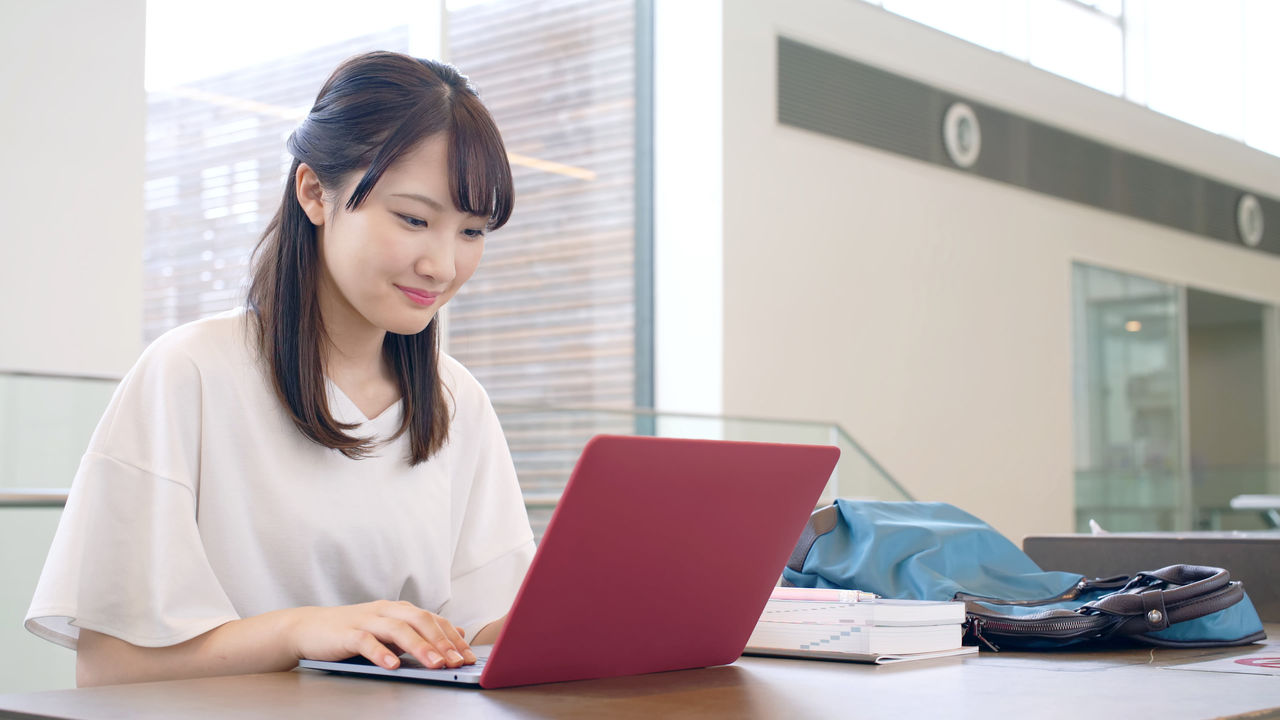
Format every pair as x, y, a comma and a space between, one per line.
420, 297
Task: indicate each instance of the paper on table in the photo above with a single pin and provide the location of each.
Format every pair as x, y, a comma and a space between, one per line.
870, 658
1262, 664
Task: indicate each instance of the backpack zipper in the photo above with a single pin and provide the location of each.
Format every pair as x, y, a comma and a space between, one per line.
1061, 626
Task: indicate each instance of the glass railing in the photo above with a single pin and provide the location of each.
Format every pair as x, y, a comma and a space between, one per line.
46, 422
1130, 500
545, 443
1213, 487
1148, 500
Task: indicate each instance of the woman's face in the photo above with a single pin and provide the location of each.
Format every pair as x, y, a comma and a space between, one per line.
397, 259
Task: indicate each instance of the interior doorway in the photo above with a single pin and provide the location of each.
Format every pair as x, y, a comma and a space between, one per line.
1228, 414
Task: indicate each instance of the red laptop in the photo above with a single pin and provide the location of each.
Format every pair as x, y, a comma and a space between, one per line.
660, 556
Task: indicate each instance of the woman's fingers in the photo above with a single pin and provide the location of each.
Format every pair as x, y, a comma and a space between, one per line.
451, 637
393, 631
367, 645
379, 631
446, 639
428, 637
466, 652
459, 641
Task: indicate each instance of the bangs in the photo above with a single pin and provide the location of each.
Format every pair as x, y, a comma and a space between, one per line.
479, 173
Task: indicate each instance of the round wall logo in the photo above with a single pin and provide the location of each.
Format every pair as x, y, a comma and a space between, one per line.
961, 135
1249, 220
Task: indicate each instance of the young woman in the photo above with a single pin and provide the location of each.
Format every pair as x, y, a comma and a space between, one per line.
310, 476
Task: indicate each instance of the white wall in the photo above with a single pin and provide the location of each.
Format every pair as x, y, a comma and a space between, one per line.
71, 193
71, 133
926, 311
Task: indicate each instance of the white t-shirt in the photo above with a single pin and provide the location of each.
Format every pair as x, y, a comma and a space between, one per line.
199, 502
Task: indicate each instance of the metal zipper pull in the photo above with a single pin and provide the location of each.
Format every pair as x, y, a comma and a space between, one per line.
975, 627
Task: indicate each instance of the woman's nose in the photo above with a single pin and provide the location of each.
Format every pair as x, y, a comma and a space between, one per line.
436, 261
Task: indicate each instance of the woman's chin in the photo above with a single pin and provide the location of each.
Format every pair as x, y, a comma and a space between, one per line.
409, 326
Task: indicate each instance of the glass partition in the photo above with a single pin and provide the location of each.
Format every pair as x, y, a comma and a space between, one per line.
545, 443
46, 423
1129, 379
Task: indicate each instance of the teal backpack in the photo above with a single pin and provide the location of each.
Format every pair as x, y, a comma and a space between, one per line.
935, 551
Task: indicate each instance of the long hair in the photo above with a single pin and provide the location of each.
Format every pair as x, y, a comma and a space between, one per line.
372, 110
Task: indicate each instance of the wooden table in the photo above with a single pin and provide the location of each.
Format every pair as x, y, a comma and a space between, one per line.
1130, 684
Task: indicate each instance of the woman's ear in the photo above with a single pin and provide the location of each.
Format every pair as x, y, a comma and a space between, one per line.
310, 195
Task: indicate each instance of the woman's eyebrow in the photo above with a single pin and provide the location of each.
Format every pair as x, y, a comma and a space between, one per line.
434, 205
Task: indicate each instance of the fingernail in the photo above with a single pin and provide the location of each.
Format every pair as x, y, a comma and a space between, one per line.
389, 660
454, 656
470, 656
434, 658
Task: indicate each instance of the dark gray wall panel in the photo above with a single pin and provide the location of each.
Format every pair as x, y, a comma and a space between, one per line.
843, 98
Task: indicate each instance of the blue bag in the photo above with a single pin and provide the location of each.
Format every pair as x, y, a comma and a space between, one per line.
935, 551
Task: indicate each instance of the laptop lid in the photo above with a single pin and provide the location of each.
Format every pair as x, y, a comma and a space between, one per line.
660, 556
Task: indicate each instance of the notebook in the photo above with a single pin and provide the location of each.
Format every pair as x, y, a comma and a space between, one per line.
661, 555
835, 624
871, 611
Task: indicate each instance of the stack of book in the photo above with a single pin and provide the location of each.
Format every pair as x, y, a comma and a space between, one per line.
856, 626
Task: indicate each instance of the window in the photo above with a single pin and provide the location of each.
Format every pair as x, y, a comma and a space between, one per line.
550, 319
215, 154
1138, 49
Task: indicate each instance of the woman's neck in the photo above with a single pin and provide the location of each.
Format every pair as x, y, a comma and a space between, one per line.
354, 350
354, 361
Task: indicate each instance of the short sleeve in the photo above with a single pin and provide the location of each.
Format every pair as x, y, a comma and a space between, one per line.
127, 559
495, 543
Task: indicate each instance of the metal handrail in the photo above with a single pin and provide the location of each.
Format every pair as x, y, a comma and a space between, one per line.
56, 497
650, 412
61, 375
33, 497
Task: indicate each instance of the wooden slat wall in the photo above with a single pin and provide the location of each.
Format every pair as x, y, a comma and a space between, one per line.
549, 319
550, 316
215, 171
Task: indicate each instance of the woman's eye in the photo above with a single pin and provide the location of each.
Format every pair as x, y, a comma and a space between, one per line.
413, 221
473, 233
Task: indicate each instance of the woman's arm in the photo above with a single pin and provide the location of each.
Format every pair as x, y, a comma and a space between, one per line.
488, 634
277, 640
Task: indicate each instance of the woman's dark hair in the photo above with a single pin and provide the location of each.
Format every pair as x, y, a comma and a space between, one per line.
371, 111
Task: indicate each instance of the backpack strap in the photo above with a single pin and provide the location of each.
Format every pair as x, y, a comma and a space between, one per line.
821, 522
1192, 591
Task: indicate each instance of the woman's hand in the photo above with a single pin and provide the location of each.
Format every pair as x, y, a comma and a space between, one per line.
379, 631
276, 640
